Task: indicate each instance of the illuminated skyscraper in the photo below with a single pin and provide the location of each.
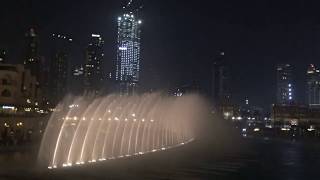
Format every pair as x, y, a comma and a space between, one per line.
128, 51
285, 88
93, 71
313, 86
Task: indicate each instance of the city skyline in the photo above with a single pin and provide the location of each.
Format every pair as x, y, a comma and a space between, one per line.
268, 41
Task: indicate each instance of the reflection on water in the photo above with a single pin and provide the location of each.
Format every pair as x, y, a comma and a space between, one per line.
242, 159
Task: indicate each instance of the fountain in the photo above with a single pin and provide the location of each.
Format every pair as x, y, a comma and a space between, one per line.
87, 130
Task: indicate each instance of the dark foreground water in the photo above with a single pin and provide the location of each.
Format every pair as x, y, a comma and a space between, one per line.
236, 158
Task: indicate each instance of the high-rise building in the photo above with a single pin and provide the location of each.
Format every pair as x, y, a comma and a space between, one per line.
32, 57
93, 70
2, 56
77, 80
59, 66
285, 87
220, 85
313, 86
128, 51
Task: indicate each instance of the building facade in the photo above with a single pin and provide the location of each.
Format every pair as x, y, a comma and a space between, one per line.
93, 70
286, 116
313, 86
128, 53
285, 88
18, 87
21, 117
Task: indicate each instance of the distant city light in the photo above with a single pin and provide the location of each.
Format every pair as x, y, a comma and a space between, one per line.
8, 107
226, 114
256, 129
285, 129
311, 128
268, 126
95, 35
122, 48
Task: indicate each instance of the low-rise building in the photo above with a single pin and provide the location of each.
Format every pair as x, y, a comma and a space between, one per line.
18, 88
295, 115
21, 114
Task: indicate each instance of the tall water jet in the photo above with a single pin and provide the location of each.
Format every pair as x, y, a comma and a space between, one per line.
86, 129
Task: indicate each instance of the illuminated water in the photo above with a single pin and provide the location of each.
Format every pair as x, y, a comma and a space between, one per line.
226, 159
88, 130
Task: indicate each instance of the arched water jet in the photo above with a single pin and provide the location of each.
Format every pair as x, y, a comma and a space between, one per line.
97, 129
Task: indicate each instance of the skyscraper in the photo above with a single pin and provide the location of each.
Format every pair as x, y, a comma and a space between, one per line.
285, 88
59, 66
32, 57
128, 51
313, 86
220, 81
2, 56
93, 70
77, 78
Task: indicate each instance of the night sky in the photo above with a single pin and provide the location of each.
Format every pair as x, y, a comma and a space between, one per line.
180, 38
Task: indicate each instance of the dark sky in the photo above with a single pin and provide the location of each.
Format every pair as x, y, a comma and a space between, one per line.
180, 37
